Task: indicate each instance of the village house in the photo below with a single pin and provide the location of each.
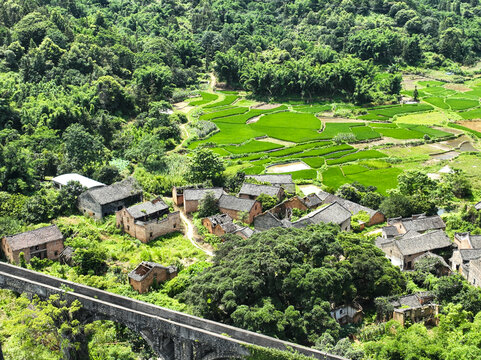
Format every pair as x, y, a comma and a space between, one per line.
240, 209
106, 200
178, 193
403, 249
416, 308
284, 181
148, 273
252, 191
375, 216
267, 220
331, 213
63, 180
245, 232
193, 196
467, 241
313, 201
474, 275
221, 224
419, 223
44, 243
347, 314
461, 260
149, 220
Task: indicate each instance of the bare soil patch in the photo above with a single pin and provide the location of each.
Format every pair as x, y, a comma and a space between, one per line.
409, 81
276, 141
253, 120
457, 87
467, 146
309, 189
183, 107
295, 166
445, 156
473, 125
265, 106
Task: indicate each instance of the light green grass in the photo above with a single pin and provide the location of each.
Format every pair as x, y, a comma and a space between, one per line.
323, 151
315, 162
353, 169
313, 109
206, 98
430, 118
471, 114
461, 104
299, 148
308, 174
332, 129
221, 151
364, 133
254, 170
252, 147
429, 83
387, 112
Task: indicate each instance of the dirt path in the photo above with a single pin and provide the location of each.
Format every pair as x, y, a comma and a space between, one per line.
190, 234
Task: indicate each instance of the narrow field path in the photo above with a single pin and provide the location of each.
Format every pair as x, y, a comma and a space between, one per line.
190, 234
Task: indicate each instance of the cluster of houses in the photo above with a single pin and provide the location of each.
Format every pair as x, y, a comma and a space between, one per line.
404, 241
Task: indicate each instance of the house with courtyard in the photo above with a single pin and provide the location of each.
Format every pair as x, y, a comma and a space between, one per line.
44, 243
148, 220
106, 200
148, 273
252, 191
283, 180
192, 197
62, 180
403, 249
375, 216
332, 213
240, 209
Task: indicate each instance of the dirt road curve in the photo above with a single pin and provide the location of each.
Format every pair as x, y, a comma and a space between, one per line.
190, 234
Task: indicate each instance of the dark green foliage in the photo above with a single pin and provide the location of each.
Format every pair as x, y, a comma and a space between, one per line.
268, 202
281, 282
90, 260
208, 205
205, 166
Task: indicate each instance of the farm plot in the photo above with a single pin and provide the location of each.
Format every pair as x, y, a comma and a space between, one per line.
313, 109
365, 154
383, 179
288, 126
332, 129
323, 151
436, 101
252, 147
365, 133
430, 118
387, 112
461, 104
228, 100
206, 98
224, 113
471, 114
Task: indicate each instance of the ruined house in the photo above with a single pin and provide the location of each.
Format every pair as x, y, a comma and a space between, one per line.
106, 200
148, 220
148, 273
416, 308
347, 314
44, 243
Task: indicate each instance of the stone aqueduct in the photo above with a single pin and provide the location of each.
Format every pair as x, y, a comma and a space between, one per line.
171, 334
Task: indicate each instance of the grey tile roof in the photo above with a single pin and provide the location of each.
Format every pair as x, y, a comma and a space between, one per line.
246, 231
84, 181
230, 202
389, 231
470, 254
145, 267
474, 240
332, 213
147, 208
256, 190
413, 300
115, 192
353, 207
420, 223
34, 238
313, 201
198, 194
284, 180
432, 240
475, 264
229, 227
